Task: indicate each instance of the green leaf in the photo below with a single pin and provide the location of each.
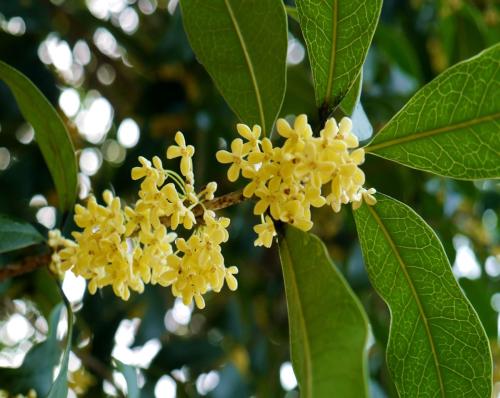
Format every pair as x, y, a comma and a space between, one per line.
36, 370
60, 387
292, 13
17, 234
401, 51
352, 97
130, 375
243, 46
338, 34
51, 134
437, 346
351, 107
328, 326
451, 127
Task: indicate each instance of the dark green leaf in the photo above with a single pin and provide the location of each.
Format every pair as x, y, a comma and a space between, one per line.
130, 375
351, 107
299, 97
243, 46
337, 34
451, 127
51, 134
17, 234
60, 387
399, 51
292, 13
437, 346
328, 327
352, 97
36, 370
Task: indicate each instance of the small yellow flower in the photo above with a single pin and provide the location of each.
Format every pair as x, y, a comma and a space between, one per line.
262, 156
185, 152
238, 151
270, 197
80, 380
231, 281
365, 195
148, 172
210, 190
251, 135
266, 232
177, 211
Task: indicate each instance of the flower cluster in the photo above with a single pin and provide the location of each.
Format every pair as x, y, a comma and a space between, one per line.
288, 180
128, 247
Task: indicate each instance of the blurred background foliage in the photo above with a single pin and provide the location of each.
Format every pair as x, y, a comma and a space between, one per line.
123, 76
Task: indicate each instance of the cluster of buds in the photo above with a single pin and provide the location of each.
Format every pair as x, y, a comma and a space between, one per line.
128, 247
288, 180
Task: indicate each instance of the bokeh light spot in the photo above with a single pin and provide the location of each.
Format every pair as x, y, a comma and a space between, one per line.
166, 387
90, 161
128, 133
287, 376
69, 101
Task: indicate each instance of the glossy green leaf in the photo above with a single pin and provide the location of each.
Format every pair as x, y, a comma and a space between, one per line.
50, 132
338, 34
451, 127
437, 346
352, 97
328, 326
17, 234
243, 46
37, 368
60, 387
130, 374
351, 107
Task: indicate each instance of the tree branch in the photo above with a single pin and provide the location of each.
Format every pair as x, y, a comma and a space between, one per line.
27, 264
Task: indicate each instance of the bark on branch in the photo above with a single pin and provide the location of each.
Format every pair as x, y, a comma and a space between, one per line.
27, 264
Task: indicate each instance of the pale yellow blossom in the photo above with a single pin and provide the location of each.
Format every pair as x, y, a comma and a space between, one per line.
288, 180
129, 247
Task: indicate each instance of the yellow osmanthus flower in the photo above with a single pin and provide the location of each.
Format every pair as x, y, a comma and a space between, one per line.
266, 232
128, 247
80, 380
31, 394
306, 171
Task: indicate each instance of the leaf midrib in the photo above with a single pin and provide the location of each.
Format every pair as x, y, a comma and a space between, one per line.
303, 327
333, 59
430, 133
249, 64
403, 267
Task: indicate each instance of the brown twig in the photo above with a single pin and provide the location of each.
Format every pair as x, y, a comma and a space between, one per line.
27, 264
31, 263
219, 203
227, 200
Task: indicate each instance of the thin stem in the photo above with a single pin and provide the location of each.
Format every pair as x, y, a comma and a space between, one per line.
177, 178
